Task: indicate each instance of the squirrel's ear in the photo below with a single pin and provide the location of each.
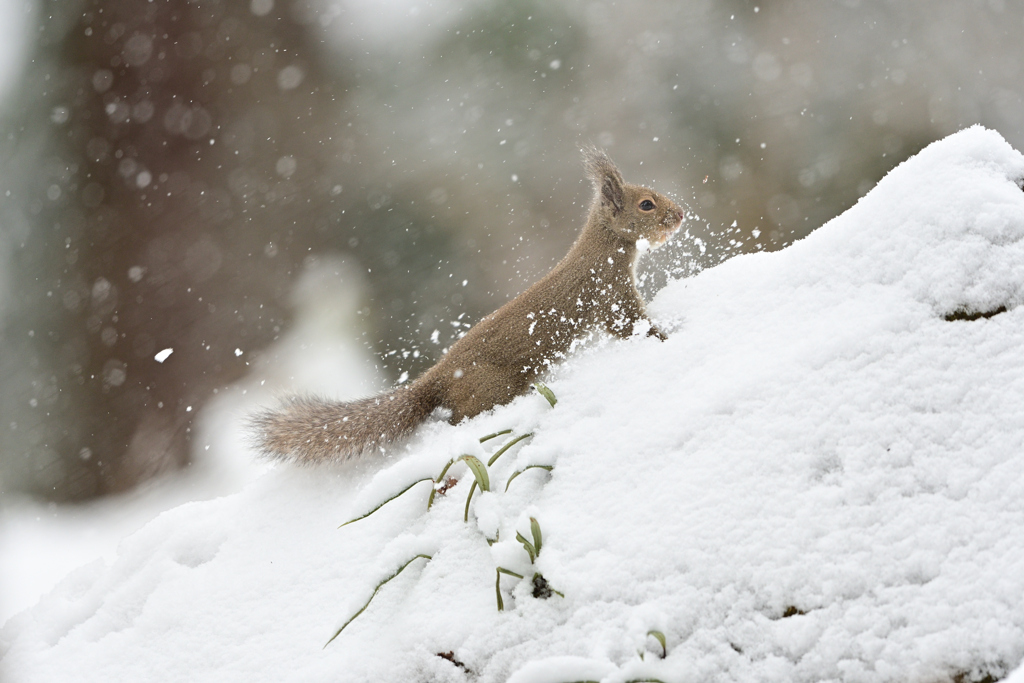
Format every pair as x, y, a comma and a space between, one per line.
605, 177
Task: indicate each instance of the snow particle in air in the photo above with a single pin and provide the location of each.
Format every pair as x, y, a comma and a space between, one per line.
60, 114
163, 355
766, 67
240, 74
286, 166
101, 290
115, 372
143, 111
137, 50
102, 80
290, 77
261, 8
192, 122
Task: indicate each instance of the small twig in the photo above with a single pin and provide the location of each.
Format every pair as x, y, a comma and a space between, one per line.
440, 477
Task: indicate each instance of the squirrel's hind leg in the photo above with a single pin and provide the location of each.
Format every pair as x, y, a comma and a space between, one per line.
481, 387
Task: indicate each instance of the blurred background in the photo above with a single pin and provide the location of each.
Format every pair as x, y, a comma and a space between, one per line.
296, 195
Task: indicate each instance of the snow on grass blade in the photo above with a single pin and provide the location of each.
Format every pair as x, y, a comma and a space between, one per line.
364, 516
507, 446
497, 585
480, 478
479, 471
495, 434
660, 637
546, 393
528, 467
535, 532
531, 550
379, 586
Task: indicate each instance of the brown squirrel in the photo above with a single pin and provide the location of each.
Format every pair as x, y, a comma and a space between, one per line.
593, 287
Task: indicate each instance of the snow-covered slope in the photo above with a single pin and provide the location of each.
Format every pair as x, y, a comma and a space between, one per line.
321, 354
817, 477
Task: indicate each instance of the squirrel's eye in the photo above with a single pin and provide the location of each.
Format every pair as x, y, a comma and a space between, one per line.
647, 205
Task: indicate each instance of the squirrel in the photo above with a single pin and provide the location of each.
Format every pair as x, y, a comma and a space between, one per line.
593, 287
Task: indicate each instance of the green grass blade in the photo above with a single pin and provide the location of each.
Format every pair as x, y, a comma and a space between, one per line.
535, 531
479, 471
439, 479
418, 481
507, 446
528, 467
379, 586
469, 499
480, 478
494, 435
497, 585
660, 637
530, 550
502, 570
546, 393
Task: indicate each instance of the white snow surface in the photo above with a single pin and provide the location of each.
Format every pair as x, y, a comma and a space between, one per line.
321, 354
817, 477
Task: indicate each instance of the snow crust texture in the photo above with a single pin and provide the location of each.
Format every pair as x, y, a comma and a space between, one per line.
818, 477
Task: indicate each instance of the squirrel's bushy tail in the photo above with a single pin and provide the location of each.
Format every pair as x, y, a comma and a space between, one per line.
310, 430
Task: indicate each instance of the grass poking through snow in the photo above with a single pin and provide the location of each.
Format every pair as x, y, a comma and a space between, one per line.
372, 595
364, 516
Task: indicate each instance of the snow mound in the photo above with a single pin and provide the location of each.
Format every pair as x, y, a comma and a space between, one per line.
819, 476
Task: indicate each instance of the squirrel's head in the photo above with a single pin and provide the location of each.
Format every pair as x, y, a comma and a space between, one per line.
631, 211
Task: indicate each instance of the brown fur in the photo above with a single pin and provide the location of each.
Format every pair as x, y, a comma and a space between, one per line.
593, 287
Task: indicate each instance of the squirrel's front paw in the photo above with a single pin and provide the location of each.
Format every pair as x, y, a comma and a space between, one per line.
655, 331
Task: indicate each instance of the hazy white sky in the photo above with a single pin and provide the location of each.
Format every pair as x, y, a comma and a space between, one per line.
15, 17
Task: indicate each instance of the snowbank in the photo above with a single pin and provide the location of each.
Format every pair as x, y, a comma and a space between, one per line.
40, 543
819, 476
